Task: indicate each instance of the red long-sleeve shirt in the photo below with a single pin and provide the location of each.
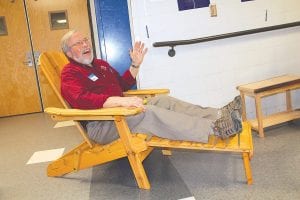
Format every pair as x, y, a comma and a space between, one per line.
87, 87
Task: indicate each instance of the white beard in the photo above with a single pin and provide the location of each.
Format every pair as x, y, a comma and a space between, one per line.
85, 61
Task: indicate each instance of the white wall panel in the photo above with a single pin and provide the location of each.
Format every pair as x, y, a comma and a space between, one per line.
208, 73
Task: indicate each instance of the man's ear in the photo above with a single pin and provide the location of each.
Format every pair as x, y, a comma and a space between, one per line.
69, 54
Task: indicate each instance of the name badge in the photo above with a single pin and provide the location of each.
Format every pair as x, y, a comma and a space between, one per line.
93, 77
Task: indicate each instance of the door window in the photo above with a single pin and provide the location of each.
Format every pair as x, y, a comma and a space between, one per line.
58, 20
3, 29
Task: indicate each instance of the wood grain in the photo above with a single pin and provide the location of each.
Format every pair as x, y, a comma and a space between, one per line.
19, 93
45, 39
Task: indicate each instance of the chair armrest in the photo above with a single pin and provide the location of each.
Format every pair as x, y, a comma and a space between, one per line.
62, 114
146, 92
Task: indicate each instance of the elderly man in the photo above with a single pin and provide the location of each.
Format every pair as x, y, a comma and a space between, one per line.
90, 83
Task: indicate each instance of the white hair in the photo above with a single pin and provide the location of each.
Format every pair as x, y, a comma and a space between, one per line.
65, 40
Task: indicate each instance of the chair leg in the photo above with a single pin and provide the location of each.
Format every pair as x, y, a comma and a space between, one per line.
133, 154
247, 167
139, 171
166, 152
84, 157
143, 155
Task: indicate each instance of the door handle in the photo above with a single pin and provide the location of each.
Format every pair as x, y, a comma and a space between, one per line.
29, 60
36, 57
28, 63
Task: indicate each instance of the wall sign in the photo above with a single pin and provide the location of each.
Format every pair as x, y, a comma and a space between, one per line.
192, 4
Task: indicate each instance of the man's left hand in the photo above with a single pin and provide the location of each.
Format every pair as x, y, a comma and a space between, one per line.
137, 53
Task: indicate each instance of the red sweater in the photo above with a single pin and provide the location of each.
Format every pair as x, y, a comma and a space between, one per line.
87, 87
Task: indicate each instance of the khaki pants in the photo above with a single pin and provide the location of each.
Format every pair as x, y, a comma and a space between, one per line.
166, 117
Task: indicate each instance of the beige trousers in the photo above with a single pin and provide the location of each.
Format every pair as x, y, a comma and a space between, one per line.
166, 117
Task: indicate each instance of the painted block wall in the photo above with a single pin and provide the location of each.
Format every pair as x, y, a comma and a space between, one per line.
207, 73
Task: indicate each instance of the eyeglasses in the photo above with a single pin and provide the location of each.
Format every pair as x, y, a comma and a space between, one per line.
80, 43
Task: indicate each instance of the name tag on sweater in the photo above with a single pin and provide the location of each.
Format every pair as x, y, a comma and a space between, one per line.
93, 77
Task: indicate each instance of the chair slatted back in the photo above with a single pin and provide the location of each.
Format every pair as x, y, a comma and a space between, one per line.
51, 64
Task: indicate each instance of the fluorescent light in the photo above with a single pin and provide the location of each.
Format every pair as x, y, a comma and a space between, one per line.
61, 21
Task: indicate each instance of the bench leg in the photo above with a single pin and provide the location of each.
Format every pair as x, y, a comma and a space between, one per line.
259, 116
244, 115
247, 167
288, 100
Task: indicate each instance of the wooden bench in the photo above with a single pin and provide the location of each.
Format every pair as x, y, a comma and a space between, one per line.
272, 86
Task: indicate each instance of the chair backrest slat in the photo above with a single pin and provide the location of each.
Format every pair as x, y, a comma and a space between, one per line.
51, 64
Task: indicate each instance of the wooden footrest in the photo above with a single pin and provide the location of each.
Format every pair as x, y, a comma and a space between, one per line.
238, 143
241, 143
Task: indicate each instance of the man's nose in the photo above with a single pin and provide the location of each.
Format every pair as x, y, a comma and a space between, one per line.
85, 43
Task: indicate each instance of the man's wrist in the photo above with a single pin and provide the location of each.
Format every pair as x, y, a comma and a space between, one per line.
135, 66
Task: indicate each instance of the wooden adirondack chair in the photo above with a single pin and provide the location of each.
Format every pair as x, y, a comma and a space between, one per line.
135, 146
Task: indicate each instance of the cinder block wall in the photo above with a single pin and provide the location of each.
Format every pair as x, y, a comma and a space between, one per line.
208, 73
